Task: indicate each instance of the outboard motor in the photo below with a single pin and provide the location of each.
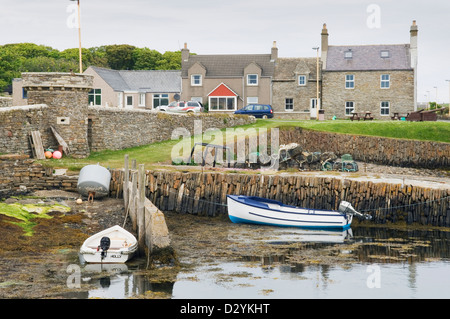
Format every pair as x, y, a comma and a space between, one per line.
105, 243
346, 208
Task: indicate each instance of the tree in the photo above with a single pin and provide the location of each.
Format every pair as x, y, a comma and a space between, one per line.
120, 57
146, 59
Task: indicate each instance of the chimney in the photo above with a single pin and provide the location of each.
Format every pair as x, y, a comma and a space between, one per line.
274, 52
324, 36
414, 57
185, 53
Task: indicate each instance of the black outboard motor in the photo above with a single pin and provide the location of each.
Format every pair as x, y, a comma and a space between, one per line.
105, 243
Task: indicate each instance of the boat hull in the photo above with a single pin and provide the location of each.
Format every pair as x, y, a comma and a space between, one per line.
255, 210
123, 247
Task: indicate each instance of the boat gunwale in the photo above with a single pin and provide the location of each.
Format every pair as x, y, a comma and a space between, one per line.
337, 213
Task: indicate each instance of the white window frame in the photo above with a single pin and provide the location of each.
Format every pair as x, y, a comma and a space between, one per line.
226, 103
388, 108
196, 80
385, 81
290, 103
304, 80
348, 54
141, 100
252, 82
349, 83
126, 101
349, 110
159, 97
94, 94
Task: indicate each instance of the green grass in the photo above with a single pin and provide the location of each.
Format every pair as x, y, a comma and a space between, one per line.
426, 131
160, 153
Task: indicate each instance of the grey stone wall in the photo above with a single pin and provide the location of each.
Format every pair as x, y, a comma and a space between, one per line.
372, 149
112, 128
367, 93
6, 101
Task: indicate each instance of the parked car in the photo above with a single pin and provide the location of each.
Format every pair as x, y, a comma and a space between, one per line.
183, 107
257, 110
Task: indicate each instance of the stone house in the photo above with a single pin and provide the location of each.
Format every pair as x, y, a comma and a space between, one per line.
381, 79
226, 83
133, 89
294, 88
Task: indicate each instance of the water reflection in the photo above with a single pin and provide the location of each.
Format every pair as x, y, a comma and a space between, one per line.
302, 264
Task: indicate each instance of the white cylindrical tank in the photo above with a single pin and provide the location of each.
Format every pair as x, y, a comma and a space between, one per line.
94, 179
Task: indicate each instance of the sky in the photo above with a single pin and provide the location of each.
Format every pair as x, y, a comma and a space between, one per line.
240, 27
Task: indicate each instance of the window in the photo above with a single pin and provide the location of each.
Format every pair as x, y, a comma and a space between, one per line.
384, 54
129, 100
385, 81
252, 100
289, 104
302, 80
349, 81
141, 99
197, 98
252, 79
95, 97
160, 99
24, 94
222, 103
348, 54
384, 110
349, 108
196, 79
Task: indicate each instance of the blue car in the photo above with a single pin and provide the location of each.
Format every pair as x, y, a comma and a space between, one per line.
257, 110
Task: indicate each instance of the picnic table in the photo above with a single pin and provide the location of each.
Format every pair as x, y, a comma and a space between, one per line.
355, 116
368, 116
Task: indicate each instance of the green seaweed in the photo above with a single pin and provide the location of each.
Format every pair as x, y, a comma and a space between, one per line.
27, 213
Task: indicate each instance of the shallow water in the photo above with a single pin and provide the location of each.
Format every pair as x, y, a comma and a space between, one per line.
371, 263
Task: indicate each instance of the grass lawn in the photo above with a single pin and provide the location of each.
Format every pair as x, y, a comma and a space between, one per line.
156, 153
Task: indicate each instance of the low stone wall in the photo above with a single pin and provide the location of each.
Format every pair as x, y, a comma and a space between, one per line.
378, 150
17, 122
205, 194
113, 128
6, 101
20, 174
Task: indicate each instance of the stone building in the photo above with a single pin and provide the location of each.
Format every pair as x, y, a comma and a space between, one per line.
380, 79
226, 83
294, 88
66, 97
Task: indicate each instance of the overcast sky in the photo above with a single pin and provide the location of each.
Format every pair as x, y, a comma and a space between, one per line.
240, 26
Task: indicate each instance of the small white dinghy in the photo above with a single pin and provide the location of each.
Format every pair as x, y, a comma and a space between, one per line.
256, 210
113, 245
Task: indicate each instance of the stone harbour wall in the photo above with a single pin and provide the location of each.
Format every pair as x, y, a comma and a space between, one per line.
372, 149
205, 194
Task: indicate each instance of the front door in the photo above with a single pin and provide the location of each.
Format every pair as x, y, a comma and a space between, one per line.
313, 108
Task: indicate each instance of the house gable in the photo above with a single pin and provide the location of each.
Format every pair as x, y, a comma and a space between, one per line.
222, 90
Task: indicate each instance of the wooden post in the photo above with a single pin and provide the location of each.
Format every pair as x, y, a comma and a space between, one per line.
140, 210
125, 183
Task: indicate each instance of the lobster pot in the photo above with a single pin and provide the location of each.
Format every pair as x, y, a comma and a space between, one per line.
94, 179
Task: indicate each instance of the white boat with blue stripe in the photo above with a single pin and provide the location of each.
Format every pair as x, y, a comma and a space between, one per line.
257, 210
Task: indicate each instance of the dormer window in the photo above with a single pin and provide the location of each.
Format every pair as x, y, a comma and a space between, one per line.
384, 54
348, 54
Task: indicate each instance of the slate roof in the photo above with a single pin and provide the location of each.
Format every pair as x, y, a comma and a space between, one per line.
289, 68
229, 65
152, 81
367, 57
